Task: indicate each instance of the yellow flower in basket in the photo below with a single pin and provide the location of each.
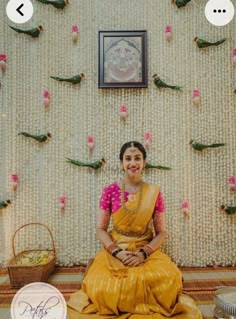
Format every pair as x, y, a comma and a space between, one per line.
34, 258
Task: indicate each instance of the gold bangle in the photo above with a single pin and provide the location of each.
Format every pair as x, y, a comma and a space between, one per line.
116, 251
111, 247
150, 247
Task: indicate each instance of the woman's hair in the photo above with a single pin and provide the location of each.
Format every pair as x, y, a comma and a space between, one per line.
138, 145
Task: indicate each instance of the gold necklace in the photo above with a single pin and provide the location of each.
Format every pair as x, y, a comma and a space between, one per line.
136, 209
131, 197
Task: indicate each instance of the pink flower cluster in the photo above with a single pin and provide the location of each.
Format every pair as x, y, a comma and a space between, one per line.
3, 57
62, 202
232, 183
3, 61
75, 28
147, 140
46, 94
168, 32
75, 32
196, 97
14, 180
123, 112
46, 99
185, 208
90, 142
234, 57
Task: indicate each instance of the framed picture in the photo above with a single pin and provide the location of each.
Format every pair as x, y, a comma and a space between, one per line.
122, 59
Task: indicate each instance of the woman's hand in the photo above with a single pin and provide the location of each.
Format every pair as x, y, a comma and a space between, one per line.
122, 255
129, 258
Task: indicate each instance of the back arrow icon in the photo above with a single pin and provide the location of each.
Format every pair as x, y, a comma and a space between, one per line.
18, 9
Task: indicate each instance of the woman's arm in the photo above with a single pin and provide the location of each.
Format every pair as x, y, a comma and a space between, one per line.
159, 226
160, 231
102, 226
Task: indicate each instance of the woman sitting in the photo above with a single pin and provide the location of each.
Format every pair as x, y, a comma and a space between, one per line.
130, 277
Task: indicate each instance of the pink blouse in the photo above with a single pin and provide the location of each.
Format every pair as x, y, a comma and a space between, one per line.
110, 200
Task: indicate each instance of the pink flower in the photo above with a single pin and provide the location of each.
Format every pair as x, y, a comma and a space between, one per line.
75, 28
147, 140
46, 94
90, 139
147, 136
3, 57
46, 99
168, 28
3, 61
185, 208
232, 183
168, 32
185, 204
195, 93
75, 32
196, 97
123, 111
14, 180
234, 57
62, 202
62, 199
91, 143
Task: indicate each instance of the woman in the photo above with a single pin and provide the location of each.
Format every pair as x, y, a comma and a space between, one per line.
130, 277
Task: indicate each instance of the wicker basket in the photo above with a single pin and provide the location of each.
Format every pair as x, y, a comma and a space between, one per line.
21, 275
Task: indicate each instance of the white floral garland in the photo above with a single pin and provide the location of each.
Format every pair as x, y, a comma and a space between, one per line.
81, 110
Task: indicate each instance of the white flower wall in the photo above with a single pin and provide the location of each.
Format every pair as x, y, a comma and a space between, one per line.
208, 236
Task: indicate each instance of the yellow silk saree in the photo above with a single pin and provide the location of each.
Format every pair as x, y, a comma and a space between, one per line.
153, 290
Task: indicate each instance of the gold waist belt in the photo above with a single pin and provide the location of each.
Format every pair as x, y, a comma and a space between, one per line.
129, 233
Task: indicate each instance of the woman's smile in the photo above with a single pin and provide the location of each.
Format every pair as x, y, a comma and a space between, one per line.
134, 169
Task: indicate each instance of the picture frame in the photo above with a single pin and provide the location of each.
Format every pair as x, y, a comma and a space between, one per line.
122, 59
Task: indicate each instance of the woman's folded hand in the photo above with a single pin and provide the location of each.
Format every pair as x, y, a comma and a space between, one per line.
129, 258
122, 255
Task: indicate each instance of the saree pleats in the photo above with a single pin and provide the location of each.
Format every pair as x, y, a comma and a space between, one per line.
150, 291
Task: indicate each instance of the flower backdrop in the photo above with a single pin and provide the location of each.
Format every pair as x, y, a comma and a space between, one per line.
36, 176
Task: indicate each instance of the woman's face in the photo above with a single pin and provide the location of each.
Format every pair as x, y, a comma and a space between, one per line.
133, 162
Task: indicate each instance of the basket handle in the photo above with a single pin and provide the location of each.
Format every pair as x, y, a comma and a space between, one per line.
50, 233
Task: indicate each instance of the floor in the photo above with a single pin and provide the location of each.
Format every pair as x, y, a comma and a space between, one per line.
199, 283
